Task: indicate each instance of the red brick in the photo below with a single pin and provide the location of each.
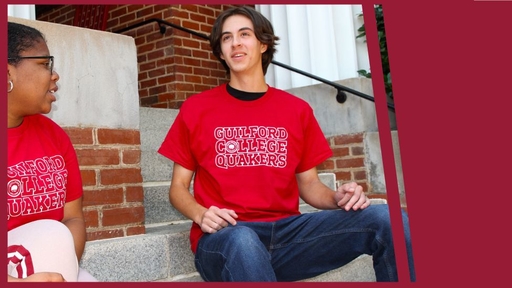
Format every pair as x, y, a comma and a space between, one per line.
158, 89
166, 97
209, 81
135, 230
157, 73
148, 83
342, 176
340, 152
123, 216
120, 176
105, 234
326, 165
118, 11
134, 194
200, 54
193, 79
350, 163
97, 156
357, 150
146, 48
201, 71
186, 70
88, 177
348, 139
359, 175
127, 18
91, 218
190, 25
204, 10
131, 156
80, 136
156, 54
153, 37
103, 196
148, 66
192, 62
118, 136
184, 87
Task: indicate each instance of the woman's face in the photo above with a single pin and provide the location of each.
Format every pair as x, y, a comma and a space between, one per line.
34, 83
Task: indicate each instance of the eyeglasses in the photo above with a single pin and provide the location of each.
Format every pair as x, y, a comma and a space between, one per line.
49, 65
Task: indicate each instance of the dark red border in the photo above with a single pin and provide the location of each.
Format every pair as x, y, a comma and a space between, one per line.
451, 65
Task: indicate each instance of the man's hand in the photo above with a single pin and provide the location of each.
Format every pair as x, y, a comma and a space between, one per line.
215, 219
351, 196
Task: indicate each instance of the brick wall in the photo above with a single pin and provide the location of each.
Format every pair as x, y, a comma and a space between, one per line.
113, 199
348, 160
62, 14
175, 65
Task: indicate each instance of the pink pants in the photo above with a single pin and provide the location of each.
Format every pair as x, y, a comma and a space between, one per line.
44, 246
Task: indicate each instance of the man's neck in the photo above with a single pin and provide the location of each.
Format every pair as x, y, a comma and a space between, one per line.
248, 83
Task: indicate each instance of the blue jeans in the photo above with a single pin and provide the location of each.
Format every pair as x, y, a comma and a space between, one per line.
300, 247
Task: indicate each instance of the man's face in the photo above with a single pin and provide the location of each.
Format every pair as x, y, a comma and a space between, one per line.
239, 46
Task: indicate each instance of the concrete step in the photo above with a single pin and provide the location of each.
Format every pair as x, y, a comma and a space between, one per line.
162, 253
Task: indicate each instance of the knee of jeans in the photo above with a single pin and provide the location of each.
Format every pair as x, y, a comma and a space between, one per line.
383, 219
241, 235
380, 216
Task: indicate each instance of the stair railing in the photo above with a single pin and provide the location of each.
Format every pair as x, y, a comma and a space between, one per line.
341, 96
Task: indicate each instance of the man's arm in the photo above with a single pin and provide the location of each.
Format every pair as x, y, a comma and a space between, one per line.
180, 196
209, 219
315, 193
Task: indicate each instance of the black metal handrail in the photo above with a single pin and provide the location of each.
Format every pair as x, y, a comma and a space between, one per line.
341, 96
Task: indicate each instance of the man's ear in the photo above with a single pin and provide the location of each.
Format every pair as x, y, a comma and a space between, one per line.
263, 48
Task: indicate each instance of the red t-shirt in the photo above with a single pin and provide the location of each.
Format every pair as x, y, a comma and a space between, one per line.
42, 171
245, 154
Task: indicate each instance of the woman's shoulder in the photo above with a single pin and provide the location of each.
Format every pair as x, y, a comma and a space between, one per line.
46, 125
43, 120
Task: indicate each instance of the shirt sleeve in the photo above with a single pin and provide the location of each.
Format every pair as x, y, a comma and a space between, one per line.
316, 149
176, 144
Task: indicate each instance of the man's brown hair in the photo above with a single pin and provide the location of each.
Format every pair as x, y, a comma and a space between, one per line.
262, 28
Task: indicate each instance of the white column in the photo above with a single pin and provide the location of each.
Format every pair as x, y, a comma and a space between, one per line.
22, 11
318, 39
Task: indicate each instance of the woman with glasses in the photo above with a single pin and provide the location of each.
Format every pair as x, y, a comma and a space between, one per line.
46, 227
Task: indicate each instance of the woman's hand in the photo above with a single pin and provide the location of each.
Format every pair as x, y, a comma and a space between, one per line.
39, 277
